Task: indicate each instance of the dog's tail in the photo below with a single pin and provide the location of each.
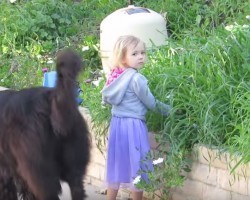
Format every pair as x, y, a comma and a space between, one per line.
64, 106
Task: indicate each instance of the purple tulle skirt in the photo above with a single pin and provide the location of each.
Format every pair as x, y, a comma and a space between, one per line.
128, 148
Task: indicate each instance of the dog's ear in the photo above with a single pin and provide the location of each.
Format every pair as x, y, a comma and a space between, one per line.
64, 108
68, 62
60, 120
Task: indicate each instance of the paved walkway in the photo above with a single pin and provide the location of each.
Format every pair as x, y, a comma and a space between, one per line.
93, 192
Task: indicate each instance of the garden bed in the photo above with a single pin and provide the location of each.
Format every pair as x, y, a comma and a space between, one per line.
210, 177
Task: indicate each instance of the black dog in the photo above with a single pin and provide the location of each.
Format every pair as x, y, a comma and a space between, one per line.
44, 138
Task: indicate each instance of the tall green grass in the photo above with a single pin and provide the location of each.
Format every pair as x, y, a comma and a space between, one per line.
208, 80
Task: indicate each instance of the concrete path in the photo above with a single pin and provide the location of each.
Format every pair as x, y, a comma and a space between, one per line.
93, 192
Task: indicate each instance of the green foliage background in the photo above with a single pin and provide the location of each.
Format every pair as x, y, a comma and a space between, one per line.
202, 71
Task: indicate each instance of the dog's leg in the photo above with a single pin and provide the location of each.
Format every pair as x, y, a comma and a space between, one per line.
38, 171
23, 190
7, 190
74, 177
42, 182
46, 188
75, 160
75, 164
7, 187
76, 188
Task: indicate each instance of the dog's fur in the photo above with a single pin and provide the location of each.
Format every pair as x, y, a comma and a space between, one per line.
43, 137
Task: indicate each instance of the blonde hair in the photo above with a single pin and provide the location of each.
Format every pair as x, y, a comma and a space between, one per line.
121, 47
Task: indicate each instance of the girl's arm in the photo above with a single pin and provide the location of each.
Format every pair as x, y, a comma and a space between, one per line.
140, 86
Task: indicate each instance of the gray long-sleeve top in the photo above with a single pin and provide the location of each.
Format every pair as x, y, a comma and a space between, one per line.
130, 96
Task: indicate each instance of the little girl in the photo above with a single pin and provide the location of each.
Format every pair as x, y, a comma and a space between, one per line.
128, 93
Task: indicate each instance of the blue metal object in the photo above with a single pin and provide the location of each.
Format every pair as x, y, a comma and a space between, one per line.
49, 80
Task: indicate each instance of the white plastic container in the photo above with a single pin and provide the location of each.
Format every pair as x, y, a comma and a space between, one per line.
143, 23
